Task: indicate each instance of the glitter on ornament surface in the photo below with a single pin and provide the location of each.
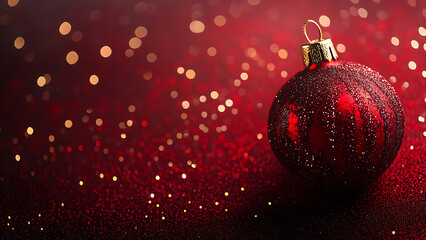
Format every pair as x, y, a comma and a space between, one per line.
218, 178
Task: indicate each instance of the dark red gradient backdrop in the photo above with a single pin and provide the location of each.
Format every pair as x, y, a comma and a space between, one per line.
156, 152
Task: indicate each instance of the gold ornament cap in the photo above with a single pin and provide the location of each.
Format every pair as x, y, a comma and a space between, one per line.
317, 51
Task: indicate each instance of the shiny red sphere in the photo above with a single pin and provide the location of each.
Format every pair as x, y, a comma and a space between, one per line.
339, 125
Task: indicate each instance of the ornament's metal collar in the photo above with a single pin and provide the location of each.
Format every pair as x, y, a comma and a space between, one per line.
315, 52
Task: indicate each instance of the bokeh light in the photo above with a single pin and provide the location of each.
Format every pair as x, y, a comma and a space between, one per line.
214, 95
135, 43
151, 57
65, 28
30, 131
12, 3
68, 123
106, 51
196, 26
412, 65
362, 12
185, 104
41, 81
19, 42
324, 21
72, 57
94, 79
395, 41
341, 48
190, 74
141, 32
283, 53
220, 20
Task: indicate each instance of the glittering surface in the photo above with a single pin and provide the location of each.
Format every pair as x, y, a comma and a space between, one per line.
149, 119
340, 124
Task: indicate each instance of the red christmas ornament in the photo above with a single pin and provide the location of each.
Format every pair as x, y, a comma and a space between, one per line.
335, 124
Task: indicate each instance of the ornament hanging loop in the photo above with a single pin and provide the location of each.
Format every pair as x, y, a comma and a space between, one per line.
306, 34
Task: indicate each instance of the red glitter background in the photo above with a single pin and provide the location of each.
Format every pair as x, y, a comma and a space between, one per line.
201, 168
